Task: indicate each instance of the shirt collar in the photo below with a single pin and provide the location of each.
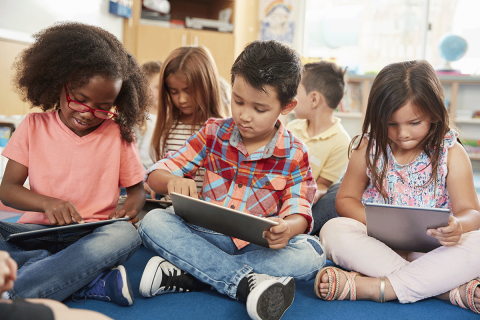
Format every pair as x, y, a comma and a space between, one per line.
334, 129
279, 146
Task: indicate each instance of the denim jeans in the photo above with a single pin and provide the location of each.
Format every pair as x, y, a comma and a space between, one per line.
324, 209
214, 259
57, 266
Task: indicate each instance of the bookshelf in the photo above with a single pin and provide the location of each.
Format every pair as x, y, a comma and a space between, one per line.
154, 40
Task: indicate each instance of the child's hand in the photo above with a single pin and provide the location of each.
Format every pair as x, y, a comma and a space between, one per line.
122, 213
62, 212
279, 235
449, 235
149, 191
8, 271
183, 186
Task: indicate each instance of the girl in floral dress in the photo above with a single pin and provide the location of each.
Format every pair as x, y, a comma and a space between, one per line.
406, 155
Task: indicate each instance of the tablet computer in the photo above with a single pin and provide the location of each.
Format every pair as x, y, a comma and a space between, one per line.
54, 230
220, 219
404, 227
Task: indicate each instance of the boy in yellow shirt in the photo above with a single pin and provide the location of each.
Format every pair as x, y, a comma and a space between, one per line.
319, 93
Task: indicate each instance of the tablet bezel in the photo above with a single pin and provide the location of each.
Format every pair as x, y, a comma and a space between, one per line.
404, 227
76, 227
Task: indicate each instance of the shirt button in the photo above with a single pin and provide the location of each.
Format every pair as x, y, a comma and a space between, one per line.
232, 206
240, 185
267, 183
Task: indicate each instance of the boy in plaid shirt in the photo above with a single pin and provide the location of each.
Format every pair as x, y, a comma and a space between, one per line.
254, 165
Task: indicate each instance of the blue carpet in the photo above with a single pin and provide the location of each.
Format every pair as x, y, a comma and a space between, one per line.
209, 304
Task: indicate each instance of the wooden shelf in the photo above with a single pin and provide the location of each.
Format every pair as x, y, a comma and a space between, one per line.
474, 156
466, 120
154, 41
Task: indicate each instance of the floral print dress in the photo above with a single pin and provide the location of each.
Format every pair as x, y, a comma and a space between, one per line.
406, 184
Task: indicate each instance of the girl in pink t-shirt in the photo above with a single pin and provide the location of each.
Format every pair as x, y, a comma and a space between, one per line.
76, 155
406, 155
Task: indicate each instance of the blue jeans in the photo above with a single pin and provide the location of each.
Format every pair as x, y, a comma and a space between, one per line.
57, 266
324, 209
214, 259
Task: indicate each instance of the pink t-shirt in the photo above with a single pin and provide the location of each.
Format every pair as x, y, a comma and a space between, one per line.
87, 171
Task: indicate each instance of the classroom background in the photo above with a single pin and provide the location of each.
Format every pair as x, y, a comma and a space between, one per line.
361, 35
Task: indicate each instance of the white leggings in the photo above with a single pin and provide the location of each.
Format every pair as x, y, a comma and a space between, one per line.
347, 244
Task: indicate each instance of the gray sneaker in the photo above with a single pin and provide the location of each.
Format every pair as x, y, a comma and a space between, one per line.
160, 276
269, 297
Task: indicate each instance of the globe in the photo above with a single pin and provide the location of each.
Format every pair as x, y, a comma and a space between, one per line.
452, 47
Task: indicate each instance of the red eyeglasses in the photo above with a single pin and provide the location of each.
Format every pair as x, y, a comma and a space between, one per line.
80, 107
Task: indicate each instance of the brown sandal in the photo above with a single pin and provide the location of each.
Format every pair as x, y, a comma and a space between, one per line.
334, 282
455, 298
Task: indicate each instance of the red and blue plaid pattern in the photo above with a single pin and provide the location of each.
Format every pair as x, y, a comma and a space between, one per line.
266, 186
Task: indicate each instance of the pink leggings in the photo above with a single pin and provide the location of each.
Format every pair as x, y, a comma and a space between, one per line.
430, 274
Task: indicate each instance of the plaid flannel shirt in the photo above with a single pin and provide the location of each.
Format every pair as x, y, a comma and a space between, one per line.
274, 181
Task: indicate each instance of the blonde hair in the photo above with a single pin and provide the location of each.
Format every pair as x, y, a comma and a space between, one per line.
197, 64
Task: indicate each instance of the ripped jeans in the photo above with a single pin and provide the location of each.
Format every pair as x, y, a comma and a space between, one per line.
214, 259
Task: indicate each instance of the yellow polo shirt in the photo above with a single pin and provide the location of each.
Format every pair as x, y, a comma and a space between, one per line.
328, 151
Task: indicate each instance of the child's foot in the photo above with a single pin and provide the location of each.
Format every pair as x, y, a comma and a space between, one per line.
329, 280
335, 284
160, 276
266, 297
466, 296
112, 285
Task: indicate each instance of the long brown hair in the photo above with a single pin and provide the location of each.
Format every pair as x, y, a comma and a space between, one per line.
395, 85
197, 64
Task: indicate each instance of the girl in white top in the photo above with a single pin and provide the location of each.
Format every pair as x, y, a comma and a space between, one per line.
189, 94
406, 155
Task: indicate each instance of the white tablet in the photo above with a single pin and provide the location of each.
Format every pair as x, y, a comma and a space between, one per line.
220, 219
54, 230
404, 227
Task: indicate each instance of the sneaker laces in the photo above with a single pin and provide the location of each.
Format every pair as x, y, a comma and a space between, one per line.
95, 288
255, 278
178, 280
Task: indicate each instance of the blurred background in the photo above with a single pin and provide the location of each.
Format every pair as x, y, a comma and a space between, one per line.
361, 35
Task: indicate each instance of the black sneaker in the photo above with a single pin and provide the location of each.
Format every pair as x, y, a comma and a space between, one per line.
268, 297
160, 276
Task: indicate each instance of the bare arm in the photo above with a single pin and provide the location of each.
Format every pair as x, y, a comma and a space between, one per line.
15, 195
162, 181
464, 200
349, 197
133, 204
322, 187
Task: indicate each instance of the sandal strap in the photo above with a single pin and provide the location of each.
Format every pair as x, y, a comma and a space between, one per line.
350, 287
470, 294
333, 284
455, 298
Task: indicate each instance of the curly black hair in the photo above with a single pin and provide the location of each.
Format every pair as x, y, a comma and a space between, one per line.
72, 52
270, 63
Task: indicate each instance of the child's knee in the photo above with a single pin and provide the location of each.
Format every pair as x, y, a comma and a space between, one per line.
155, 221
